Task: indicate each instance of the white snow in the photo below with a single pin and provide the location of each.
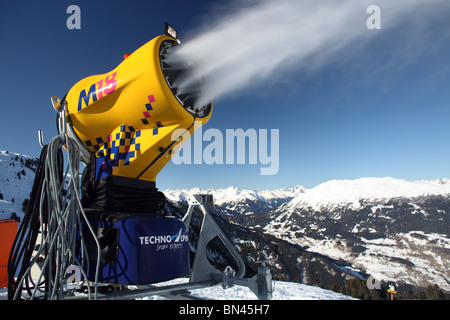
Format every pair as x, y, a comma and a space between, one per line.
234, 194
380, 257
337, 193
14, 186
281, 291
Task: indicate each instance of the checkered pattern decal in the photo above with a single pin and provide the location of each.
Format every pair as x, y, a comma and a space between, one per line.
122, 146
118, 146
147, 115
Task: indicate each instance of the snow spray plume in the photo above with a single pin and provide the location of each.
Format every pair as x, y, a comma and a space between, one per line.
257, 43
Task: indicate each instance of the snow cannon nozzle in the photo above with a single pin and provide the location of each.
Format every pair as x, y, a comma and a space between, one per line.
124, 119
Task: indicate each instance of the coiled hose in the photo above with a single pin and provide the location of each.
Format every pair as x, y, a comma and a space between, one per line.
49, 239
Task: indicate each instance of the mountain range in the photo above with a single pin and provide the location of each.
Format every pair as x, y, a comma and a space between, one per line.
235, 201
394, 230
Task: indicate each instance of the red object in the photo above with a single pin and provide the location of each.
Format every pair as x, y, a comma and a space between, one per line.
126, 55
8, 231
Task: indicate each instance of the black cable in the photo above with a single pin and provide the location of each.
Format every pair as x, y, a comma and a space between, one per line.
27, 231
25, 241
163, 151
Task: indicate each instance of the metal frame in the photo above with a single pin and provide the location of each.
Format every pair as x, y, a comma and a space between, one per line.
203, 274
202, 270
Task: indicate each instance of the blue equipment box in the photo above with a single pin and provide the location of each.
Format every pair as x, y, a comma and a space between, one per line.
138, 249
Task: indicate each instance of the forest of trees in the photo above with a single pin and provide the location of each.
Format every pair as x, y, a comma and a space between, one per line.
357, 288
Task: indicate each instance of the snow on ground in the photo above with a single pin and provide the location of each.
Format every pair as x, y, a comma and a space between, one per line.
336, 193
387, 258
281, 291
233, 194
16, 182
408, 247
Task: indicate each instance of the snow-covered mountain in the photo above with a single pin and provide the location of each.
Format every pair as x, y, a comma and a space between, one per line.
394, 230
16, 180
234, 201
353, 193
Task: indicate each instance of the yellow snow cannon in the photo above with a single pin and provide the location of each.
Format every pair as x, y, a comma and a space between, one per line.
126, 117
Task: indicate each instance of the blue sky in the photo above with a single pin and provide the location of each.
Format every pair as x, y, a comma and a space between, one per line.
382, 112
